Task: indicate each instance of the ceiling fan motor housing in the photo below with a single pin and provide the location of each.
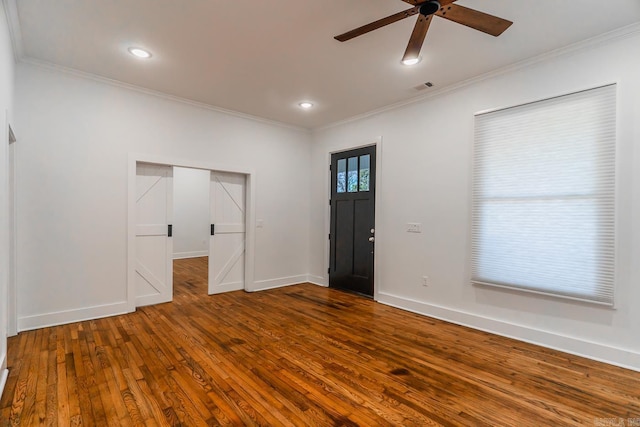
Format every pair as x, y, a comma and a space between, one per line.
429, 8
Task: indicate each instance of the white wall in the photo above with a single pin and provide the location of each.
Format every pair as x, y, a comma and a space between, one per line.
75, 136
425, 178
6, 106
191, 222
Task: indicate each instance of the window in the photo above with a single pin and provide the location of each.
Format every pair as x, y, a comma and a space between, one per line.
353, 175
364, 172
544, 196
342, 176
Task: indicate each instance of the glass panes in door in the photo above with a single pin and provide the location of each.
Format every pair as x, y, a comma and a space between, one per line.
364, 172
352, 175
342, 176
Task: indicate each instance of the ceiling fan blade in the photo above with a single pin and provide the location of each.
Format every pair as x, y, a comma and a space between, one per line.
417, 37
377, 24
474, 19
419, 2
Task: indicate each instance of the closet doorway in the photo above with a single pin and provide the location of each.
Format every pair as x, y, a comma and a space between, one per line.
208, 230
191, 222
188, 224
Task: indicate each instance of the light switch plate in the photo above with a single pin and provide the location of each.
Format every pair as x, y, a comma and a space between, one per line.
414, 227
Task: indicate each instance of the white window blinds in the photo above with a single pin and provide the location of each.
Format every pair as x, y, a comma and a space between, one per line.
544, 196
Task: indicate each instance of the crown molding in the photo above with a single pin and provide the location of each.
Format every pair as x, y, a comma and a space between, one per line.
15, 31
113, 82
609, 37
20, 56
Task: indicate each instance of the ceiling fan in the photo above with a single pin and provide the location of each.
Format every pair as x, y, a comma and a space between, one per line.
472, 18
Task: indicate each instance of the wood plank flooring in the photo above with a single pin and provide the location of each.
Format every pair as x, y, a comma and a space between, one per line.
300, 355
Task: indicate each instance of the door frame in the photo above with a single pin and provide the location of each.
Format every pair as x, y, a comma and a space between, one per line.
337, 148
134, 159
12, 282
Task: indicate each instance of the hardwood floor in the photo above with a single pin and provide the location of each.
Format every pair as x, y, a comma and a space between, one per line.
300, 355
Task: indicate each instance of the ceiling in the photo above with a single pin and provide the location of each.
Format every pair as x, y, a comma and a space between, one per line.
262, 58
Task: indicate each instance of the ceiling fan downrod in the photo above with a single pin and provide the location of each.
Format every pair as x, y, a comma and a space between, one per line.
429, 8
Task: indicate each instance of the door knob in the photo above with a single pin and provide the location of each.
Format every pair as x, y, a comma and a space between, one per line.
373, 230
371, 239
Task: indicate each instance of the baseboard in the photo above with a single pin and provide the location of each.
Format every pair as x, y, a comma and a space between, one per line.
612, 355
263, 285
4, 373
317, 280
3, 380
70, 316
194, 254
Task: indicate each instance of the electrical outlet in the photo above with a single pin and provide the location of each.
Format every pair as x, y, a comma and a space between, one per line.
425, 281
414, 227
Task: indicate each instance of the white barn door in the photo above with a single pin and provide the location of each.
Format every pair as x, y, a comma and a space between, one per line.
154, 245
227, 241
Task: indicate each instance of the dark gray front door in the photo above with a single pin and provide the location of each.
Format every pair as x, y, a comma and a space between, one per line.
352, 220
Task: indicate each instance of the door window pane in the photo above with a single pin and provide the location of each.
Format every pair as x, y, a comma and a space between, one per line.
352, 175
364, 172
342, 176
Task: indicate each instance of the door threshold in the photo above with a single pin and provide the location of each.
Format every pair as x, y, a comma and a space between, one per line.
351, 291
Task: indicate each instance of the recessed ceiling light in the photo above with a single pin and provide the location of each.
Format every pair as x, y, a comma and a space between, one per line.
306, 105
140, 53
411, 61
